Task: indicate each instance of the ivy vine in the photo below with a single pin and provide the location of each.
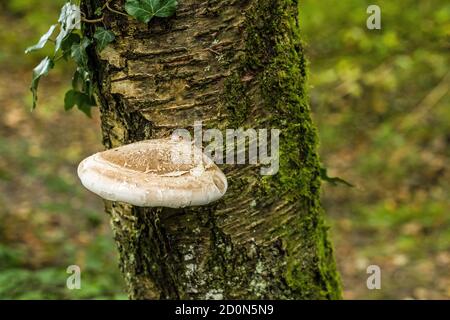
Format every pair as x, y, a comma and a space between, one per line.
72, 43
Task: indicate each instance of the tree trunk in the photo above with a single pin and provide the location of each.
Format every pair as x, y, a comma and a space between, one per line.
230, 64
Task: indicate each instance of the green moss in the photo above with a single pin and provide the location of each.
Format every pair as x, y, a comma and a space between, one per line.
236, 101
275, 49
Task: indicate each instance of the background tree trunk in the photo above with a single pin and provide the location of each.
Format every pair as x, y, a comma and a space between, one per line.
231, 64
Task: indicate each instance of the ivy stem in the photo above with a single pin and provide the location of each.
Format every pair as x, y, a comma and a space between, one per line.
92, 20
84, 19
113, 10
106, 3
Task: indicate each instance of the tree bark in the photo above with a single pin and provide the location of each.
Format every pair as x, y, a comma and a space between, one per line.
231, 64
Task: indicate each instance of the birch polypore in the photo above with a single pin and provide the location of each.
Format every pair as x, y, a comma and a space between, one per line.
154, 173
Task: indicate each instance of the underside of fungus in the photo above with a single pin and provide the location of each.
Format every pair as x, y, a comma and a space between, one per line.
154, 173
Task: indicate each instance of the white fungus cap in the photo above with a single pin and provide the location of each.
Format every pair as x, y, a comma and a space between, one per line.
154, 173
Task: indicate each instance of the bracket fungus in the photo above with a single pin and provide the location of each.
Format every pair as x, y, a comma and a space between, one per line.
154, 173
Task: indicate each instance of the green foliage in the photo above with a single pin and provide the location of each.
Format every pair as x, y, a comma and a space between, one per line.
79, 54
68, 43
68, 21
41, 70
80, 99
21, 23
71, 43
145, 10
42, 41
333, 180
103, 37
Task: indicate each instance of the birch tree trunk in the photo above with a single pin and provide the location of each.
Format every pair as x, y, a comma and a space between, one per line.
230, 64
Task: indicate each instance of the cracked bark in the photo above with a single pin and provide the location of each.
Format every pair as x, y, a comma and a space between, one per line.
231, 64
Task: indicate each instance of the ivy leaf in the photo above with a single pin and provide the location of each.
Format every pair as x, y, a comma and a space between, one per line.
164, 8
145, 10
41, 70
103, 37
68, 42
82, 80
69, 20
78, 52
76, 79
76, 98
333, 180
98, 11
42, 41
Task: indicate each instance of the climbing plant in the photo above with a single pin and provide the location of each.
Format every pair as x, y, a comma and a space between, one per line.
72, 44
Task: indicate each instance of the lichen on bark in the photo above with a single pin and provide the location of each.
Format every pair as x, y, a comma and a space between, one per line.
228, 63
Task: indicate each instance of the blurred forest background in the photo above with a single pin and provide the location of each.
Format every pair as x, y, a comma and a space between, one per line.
380, 99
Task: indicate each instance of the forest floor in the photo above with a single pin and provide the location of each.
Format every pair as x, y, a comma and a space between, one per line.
47, 220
